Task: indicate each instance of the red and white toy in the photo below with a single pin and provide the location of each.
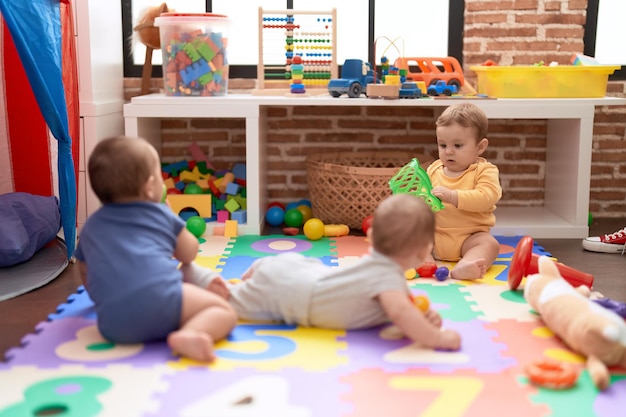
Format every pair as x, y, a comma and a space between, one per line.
586, 327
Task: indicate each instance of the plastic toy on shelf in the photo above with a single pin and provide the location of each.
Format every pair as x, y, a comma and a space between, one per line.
356, 74
286, 34
432, 69
385, 91
410, 90
391, 77
441, 88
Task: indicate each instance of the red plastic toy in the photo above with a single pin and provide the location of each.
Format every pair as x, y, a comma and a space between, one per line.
367, 223
525, 262
426, 270
552, 374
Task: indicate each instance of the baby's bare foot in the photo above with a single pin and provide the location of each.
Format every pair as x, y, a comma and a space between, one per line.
433, 318
469, 270
192, 344
391, 333
449, 340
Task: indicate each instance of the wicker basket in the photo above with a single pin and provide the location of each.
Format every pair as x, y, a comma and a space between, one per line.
346, 187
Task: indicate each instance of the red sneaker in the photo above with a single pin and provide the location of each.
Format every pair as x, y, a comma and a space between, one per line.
611, 243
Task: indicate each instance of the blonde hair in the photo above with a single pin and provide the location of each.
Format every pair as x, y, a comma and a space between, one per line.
119, 167
402, 223
466, 115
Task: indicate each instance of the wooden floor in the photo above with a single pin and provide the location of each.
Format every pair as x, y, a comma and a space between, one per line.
20, 315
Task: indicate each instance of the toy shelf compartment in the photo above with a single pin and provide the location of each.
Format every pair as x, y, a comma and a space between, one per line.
568, 146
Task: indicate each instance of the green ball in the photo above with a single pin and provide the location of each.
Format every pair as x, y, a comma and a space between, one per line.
193, 189
589, 219
196, 225
293, 218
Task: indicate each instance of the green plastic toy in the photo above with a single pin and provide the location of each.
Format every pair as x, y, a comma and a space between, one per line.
164, 194
412, 179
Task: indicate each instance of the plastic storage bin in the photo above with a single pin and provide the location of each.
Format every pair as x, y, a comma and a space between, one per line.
564, 81
194, 53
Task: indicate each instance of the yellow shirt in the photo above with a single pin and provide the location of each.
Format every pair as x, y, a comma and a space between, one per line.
478, 190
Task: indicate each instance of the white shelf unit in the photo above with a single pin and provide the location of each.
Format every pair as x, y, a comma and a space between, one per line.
568, 154
98, 29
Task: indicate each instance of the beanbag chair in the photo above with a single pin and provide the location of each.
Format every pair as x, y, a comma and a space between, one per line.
27, 223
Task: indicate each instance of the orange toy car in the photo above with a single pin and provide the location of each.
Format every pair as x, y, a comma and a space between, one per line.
431, 70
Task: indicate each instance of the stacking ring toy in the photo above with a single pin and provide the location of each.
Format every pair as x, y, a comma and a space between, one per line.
552, 374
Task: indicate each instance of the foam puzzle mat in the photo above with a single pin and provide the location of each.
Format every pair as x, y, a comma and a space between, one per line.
66, 368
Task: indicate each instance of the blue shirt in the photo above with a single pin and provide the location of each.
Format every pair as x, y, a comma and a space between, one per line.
132, 279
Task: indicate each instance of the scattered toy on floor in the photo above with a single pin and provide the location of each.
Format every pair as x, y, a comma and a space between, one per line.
587, 328
525, 262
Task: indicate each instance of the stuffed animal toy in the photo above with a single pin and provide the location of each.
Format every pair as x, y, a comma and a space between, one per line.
586, 327
148, 33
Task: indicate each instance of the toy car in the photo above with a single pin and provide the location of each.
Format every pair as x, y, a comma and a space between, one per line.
432, 69
410, 90
355, 76
441, 88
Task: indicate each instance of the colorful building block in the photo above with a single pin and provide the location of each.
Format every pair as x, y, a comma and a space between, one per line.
199, 202
232, 188
203, 183
169, 183
188, 177
239, 170
199, 156
230, 228
242, 201
214, 190
219, 204
180, 185
175, 167
241, 216
232, 205
222, 216
194, 71
225, 180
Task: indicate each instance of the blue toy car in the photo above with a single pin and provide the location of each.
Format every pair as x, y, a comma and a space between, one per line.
441, 88
410, 90
355, 75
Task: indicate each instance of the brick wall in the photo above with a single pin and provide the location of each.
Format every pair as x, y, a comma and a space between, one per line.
508, 32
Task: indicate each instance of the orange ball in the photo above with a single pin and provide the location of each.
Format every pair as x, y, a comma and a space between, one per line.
421, 302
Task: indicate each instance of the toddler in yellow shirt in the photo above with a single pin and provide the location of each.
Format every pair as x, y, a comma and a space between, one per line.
469, 187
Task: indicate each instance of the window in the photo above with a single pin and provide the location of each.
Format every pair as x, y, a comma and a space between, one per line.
605, 32
438, 35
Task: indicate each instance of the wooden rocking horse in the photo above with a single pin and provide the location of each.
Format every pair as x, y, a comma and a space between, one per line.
149, 35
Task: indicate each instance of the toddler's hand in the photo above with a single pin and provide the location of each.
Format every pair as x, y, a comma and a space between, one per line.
247, 274
433, 318
252, 269
449, 340
442, 193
